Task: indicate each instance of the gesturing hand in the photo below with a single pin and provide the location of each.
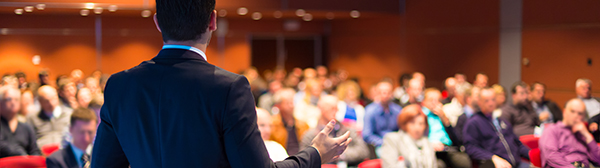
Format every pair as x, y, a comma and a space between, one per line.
330, 148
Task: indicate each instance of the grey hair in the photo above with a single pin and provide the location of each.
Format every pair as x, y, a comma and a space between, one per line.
580, 82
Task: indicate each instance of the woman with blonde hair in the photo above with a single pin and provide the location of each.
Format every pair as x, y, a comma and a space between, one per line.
350, 112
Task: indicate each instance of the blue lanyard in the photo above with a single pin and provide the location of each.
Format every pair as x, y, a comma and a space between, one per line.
193, 49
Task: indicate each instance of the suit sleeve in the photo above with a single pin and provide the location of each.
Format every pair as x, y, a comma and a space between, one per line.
473, 145
52, 163
107, 149
460, 125
243, 145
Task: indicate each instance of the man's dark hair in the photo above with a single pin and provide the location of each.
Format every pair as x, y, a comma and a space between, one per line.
20, 74
537, 83
513, 88
183, 20
404, 76
83, 114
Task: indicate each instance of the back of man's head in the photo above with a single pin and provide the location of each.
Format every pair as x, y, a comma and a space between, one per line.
183, 20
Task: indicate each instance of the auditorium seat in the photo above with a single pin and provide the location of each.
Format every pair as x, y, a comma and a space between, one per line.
50, 148
374, 163
23, 162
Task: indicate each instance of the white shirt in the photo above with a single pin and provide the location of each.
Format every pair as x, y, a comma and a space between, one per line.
592, 106
453, 110
276, 151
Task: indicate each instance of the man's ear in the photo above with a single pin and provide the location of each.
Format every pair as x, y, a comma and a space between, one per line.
212, 25
156, 23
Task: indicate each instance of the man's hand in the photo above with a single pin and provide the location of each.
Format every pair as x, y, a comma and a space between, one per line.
330, 148
593, 127
438, 146
438, 110
580, 127
544, 116
500, 163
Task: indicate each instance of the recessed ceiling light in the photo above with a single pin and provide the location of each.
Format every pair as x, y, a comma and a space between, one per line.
242, 11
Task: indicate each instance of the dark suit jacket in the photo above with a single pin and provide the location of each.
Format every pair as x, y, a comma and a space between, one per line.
177, 110
460, 126
64, 158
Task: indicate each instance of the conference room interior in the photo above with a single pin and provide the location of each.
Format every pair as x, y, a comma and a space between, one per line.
552, 42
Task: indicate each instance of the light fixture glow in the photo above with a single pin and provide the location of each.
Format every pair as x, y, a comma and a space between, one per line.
300, 12
19, 11
146, 13
112, 8
89, 5
40, 6
277, 14
36, 59
222, 13
242, 11
256, 16
354, 14
98, 10
330, 15
28, 9
307, 17
84, 12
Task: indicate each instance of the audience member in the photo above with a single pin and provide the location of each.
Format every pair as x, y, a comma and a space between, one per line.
287, 130
470, 108
548, 111
52, 122
583, 88
77, 78
350, 112
305, 106
380, 117
450, 86
500, 95
44, 77
67, 91
456, 107
568, 143
83, 130
27, 106
400, 92
409, 142
441, 133
519, 112
22, 80
92, 84
264, 122
84, 97
489, 140
415, 90
481, 80
16, 138
461, 80
357, 150
10, 81
265, 101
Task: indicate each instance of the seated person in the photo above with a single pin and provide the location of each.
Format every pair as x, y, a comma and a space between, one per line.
287, 130
380, 116
519, 113
568, 143
471, 97
490, 138
83, 130
409, 142
441, 133
16, 138
357, 150
51, 124
264, 122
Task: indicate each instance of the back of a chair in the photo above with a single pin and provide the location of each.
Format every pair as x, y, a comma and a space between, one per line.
535, 158
374, 163
530, 141
328, 166
50, 148
23, 162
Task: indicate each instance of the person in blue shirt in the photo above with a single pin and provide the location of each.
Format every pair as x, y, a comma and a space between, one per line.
83, 130
381, 115
441, 133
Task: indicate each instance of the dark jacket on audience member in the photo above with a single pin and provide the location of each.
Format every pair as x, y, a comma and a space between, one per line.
523, 118
64, 158
21, 142
482, 140
554, 110
177, 110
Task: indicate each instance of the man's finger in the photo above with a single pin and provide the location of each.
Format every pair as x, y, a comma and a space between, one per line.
343, 138
329, 127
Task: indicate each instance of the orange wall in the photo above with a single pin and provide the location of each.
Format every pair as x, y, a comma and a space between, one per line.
558, 38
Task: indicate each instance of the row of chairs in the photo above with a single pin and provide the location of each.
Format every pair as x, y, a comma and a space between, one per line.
29, 161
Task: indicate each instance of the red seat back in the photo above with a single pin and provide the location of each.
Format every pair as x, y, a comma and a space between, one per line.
328, 166
530, 141
375, 163
49, 149
23, 162
534, 157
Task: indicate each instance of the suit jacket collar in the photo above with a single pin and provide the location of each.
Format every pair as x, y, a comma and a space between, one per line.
70, 159
172, 53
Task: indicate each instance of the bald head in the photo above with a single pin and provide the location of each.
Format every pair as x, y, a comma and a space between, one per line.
574, 112
263, 120
328, 106
384, 90
451, 86
415, 87
48, 98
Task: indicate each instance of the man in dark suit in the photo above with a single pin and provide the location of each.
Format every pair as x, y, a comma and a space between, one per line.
83, 129
548, 110
177, 110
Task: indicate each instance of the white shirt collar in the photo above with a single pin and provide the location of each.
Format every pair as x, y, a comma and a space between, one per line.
184, 47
